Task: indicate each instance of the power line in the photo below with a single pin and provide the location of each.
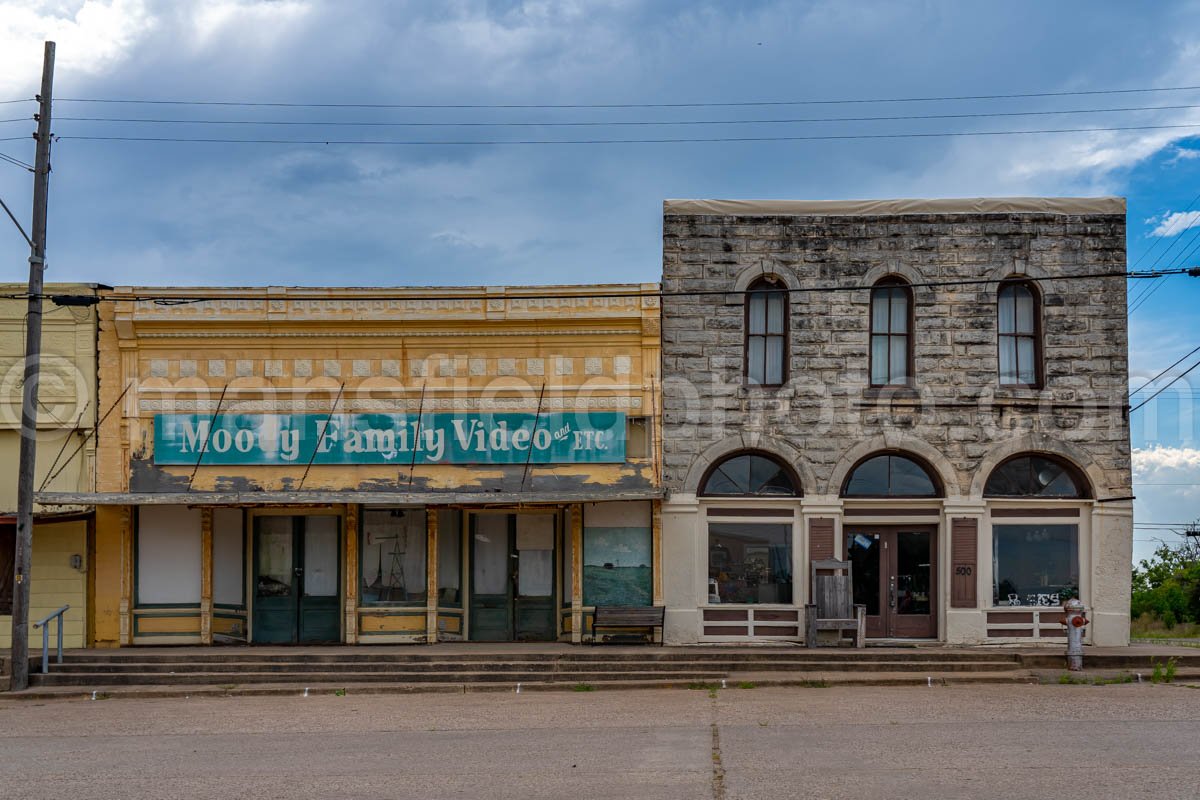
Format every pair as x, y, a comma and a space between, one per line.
1164, 372
19, 100
1169, 385
16, 162
738, 104
614, 123
699, 140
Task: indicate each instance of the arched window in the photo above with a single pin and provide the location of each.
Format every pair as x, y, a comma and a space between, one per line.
766, 332
1018, 326
891, 333
750, 475
891, 475
1036, 475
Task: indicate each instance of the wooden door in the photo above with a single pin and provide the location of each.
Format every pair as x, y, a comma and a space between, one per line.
533, 613
492, 569
296, 579
895, 577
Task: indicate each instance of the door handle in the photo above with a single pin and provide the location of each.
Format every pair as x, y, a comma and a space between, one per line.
299, 571
891, 592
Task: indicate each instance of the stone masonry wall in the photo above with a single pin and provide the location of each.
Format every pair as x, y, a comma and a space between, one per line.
958, 406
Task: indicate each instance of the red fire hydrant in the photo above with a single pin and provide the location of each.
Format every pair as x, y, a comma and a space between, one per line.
1074, 619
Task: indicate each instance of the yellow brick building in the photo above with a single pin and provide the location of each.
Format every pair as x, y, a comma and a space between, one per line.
374, 465
66, 454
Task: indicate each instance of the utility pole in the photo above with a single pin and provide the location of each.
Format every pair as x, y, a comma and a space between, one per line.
29, 397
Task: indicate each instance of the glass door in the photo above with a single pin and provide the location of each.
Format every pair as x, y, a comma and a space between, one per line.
296, 579
895, 578
492, 570
275, 573
534, 602
318, 613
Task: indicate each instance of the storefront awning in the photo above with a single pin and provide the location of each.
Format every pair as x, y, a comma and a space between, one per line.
320, 498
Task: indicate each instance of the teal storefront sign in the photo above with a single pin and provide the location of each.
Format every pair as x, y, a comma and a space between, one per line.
265, 439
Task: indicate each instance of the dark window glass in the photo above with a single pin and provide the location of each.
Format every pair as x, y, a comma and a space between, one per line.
1017, 328
750, 474
890, 308
1033, 565
766, 329
749, 563
890, 476
1033, 476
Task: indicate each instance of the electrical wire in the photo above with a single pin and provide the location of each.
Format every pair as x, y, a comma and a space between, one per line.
613, 123
665, 140
1156, 286
1163, 389
16, 162
738, 104
1164, 372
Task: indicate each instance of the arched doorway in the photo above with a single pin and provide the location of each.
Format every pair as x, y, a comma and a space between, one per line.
894, 565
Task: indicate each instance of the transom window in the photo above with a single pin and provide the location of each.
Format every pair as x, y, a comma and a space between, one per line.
1018, 331
890, 475
1030, 475
766, 332
750, 475
891, 355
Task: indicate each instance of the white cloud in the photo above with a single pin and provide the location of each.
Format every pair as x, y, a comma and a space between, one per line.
91, 37
1177, 222
1163, 464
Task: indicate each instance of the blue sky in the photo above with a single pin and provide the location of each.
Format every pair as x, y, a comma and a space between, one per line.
229, 214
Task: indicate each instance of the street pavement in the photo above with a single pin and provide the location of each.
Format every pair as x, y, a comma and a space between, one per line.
1010, 742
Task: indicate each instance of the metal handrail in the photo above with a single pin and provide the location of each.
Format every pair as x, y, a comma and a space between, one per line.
42, 623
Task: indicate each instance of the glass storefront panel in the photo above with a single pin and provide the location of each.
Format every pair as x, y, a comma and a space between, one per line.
449, 560
749, 563
392, 557
1033, 565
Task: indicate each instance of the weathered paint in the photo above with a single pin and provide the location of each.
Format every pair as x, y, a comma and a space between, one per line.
466, 351
55, 583
431, 576
206, 575
393, 622
65, 454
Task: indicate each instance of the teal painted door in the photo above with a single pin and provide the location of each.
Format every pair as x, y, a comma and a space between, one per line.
296, 580
491, 578
512, 578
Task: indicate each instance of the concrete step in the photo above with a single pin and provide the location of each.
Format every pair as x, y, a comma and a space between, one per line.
746, 682
526, 668
1131, 660
341, 678
587, 654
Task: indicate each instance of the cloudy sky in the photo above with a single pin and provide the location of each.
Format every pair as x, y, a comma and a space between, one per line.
490, 210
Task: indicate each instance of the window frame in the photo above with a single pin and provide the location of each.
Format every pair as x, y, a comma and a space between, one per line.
1083, 486
791, 542
766, 285
1001, 529
888, 283
939, 489
786, 468
1037, 335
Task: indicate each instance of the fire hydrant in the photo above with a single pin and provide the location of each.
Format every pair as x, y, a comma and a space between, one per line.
1074, 619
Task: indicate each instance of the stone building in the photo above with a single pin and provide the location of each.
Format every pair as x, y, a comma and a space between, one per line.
290, 465
932, 390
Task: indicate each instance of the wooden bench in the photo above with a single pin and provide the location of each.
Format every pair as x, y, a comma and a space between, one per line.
627, 617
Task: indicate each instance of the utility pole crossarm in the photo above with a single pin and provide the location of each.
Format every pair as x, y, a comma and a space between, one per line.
29, 398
